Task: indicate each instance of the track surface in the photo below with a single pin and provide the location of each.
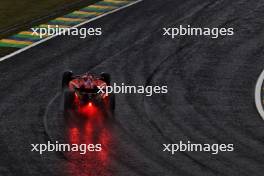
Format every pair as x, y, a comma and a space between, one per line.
210, 100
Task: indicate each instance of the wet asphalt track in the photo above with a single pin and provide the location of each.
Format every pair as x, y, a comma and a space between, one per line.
210, 100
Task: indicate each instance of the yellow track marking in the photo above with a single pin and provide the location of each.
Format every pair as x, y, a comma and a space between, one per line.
69, 19
16, 42
28, 33
86, 13
53, 26
101, 7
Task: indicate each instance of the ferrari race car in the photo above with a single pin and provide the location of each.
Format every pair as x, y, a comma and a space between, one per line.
87, 90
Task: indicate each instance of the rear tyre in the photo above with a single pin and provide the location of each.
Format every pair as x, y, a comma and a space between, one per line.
112, 102
106, 78
68, 100
66, 78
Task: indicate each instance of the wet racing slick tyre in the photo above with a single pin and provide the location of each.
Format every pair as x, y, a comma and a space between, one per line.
106, 78
112, 103
68, 100
66, 78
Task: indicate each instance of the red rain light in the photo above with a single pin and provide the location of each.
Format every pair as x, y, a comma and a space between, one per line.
89, 110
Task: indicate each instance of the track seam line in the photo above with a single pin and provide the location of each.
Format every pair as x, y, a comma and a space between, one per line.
258, 99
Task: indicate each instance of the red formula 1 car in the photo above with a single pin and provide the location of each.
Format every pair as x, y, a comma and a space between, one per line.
87, 90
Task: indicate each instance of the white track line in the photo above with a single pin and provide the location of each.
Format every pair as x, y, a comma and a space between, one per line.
48, 38
258, 98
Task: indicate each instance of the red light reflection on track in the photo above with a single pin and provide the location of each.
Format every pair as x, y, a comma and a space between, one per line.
89, 110
91, 131
74, 135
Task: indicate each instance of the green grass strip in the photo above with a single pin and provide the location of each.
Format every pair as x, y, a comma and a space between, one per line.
74, 15
12, 45
61, 22
92, 9
27, 36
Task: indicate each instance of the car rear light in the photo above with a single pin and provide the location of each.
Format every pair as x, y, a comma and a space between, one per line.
89, 110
